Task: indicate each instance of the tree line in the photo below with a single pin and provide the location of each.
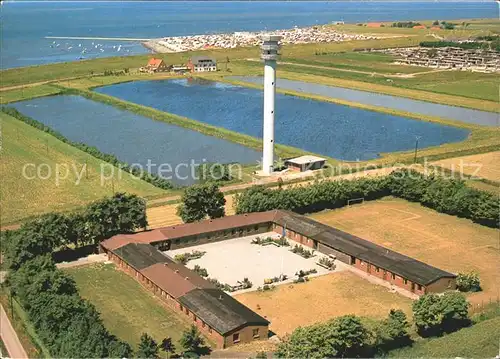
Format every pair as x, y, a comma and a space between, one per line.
154, 179
350, 336
449, 196
68, 325
121, 213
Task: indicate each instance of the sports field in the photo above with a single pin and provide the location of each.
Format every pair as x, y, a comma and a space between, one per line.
127, 309
485, 165
322, 298
23, 197
450, 243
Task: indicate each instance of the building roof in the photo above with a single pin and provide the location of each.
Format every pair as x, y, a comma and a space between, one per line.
154, 62
307, 159
140, 237
174, 278
219, 224
404, 266
196, 59
220, 311
140, 255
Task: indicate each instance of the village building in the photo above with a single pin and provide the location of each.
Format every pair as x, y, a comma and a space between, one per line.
155, 65
202, 64
305, 163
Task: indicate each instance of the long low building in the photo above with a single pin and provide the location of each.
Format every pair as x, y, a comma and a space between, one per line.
218, 314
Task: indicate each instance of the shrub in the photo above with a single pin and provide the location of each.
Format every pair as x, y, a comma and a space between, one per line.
436, 314
468, 282
200, 271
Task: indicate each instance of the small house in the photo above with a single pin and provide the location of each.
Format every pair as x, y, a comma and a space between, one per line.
202, 64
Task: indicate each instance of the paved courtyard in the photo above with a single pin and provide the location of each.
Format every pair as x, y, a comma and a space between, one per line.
232, 260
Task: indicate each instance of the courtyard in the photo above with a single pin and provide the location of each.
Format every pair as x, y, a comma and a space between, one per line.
233, 260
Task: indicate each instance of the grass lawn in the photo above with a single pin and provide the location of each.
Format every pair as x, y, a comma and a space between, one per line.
127, 309
23, 197
479, 341
321, 299
447, 242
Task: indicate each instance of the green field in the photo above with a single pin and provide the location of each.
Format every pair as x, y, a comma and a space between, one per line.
27, 93
479, 341
127, 309
23, 197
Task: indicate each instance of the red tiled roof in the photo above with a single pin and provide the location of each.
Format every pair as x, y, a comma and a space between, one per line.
175, 278
141, 237
213, 225
374, 24
419, 27
154, 62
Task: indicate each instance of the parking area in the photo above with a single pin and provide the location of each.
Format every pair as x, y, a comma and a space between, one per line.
232, 260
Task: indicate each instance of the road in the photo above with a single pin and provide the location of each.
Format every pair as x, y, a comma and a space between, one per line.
9, 337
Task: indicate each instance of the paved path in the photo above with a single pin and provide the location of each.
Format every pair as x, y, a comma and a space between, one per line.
9, 337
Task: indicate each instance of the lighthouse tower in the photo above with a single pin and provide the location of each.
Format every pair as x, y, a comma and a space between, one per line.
269, 53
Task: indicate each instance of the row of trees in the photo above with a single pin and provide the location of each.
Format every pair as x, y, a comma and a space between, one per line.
407, 24
122, 213
69, 326
444, 195
191, 342
154, 179
351, 337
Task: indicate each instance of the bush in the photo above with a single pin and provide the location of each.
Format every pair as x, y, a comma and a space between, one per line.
200, 201
468, 282
436, 314
154, 179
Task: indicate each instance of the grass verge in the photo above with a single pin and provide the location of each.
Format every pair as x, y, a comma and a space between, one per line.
479, 341
127, 309
63, 184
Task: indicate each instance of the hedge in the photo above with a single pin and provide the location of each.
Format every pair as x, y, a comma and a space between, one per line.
154, 179
447, 196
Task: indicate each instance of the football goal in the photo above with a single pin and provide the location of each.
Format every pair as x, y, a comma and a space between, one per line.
352, 201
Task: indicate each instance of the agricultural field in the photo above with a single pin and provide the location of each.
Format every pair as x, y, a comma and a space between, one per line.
166, 215
447, 242
127, 309
290, 306
479, 341
23, 197
485, 165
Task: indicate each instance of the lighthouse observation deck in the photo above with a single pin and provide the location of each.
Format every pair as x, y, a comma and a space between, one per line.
270, 47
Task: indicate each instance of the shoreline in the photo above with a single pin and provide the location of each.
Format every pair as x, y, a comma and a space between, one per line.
325, 33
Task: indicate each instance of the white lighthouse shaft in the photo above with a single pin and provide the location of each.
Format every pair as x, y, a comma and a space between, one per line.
269, 53
268, 133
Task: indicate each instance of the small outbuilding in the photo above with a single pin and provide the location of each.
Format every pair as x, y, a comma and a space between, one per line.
305, 163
